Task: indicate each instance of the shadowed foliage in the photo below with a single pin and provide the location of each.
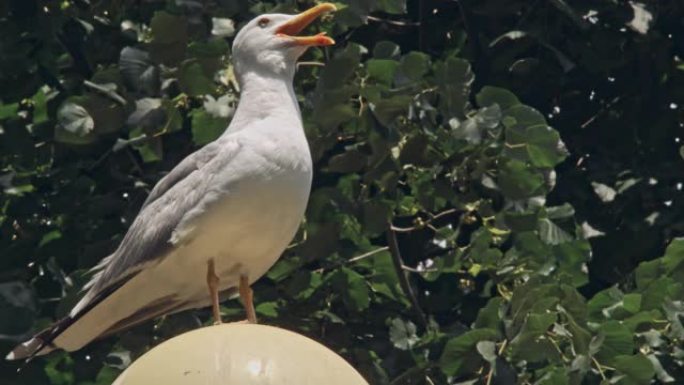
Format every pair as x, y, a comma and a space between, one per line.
496, 199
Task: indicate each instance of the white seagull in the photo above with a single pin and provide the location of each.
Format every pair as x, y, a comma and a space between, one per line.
222, 217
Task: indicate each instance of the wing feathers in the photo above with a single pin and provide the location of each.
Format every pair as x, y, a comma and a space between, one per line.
175, 200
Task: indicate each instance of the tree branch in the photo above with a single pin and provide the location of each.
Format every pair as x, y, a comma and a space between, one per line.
394, 22
424, 223
104, 91
398, 264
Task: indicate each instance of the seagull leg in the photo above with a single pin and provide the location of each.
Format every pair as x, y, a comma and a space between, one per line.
213, 282
247, 297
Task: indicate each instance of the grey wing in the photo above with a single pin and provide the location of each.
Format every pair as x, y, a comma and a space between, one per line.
188, 165
149, 237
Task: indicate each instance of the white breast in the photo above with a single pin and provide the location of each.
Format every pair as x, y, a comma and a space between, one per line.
248, 228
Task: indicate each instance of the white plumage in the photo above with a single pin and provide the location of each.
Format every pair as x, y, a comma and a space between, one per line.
233, 205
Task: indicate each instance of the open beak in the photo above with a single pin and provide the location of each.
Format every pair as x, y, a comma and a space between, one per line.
301, 21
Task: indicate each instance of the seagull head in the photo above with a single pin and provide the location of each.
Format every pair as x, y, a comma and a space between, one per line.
269, 43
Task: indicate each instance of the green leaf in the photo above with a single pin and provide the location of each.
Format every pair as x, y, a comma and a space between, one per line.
353, 289
617, 340
303, 285
403, 334
148, 115
382, 70
637, 369
538, 323
531, 344
174, 120
656, 292
388, 109
632, 302
59, 369
384, 279
554, 376
560, 212
386, 50
460, 353
282, 269
454, 78
49, 237
192, 79
489, 317
544, 147
74, 125
674, 310
489, 96
267, 309
150, 149
40, 112
552, 234
519, 181
674, 255
75, 119
8, 110
107, 375
644, 319
331, 117
647, 272
396, 7
205, 127
169, 37
415, 65
338, 70
487, 350
603, 300
167, 28
524, 116
581, 337
475, 127
529, 138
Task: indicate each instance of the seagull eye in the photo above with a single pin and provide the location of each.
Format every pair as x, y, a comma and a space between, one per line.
263, 22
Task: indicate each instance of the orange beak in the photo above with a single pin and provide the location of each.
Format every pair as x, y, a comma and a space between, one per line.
301, 21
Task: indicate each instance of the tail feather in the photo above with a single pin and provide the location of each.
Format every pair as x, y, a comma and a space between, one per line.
41, 343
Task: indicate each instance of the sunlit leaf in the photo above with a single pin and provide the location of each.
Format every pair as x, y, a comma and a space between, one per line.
403, 334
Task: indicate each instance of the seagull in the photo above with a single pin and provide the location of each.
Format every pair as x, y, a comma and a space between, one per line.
223, 216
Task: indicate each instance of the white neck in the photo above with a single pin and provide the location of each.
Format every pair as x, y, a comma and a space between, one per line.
266, 96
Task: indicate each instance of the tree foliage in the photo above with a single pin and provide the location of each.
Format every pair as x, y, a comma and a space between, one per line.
451, 237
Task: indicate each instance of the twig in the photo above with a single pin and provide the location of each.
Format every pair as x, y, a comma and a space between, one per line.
104, 91
133, 160
421, 7
414, 270
425, 223
503, 347
354, 259
368, 254
602, 110
100, 160
598, 366
310, 64
394, 22
398, 264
